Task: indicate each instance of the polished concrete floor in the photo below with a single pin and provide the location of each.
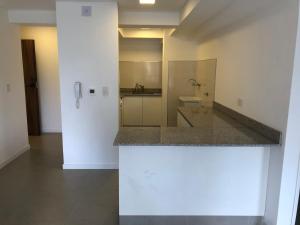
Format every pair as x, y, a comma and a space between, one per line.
34, 190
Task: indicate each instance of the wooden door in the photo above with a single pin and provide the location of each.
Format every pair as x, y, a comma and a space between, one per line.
31, 87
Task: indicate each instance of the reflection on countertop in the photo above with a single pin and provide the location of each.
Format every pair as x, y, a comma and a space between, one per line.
210, 127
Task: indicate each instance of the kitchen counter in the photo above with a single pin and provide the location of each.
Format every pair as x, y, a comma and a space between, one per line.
218, 156
128, 92
210, 127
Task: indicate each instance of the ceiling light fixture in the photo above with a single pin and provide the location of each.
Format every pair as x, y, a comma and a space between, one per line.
147, 2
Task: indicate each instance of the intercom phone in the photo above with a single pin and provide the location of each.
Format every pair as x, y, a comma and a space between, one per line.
78, 93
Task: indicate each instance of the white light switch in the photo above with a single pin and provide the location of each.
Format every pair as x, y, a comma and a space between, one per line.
105, 91
86, 11
240, 102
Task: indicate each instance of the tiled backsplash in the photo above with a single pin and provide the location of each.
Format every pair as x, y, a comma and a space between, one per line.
148, 74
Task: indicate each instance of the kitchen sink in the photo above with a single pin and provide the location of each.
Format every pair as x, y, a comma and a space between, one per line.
191, 99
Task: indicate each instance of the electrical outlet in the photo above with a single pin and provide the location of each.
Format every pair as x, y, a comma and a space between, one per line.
240, 102
86, 11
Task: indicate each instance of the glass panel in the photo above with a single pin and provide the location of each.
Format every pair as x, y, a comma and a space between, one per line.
180, 73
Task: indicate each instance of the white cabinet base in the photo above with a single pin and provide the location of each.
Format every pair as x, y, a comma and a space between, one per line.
181, 121
141, 111
151, 111
132, 111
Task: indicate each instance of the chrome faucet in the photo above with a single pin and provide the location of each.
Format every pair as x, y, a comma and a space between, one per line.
195, 83
139, 87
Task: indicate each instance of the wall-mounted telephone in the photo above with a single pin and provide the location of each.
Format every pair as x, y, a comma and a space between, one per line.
78, 93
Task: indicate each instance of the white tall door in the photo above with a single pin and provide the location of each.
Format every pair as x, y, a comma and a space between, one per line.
152, 111
132, 111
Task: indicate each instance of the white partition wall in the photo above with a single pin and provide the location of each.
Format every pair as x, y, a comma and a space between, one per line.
193, 181
13, 124
88, 53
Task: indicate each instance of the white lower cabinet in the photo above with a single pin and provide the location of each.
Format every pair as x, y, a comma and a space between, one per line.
132, 111
181, 121
151, 111
142, 111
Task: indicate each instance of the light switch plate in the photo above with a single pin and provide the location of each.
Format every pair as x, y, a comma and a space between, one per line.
86, 11
92, 91
105, 91
8, 88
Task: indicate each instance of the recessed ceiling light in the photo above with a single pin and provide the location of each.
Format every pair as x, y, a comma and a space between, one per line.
148, 2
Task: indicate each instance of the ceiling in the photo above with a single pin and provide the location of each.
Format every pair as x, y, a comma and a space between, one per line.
28, 4
142, 32
161, 5
212, 17
205, 18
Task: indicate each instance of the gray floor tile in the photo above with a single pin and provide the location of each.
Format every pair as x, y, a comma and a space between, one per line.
34, 190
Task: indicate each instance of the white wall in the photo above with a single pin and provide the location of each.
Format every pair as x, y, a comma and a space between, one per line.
13, 124
88, 52
140, 49
193, 181
41, 17
254, 64
255, 61
48, 79
289, 191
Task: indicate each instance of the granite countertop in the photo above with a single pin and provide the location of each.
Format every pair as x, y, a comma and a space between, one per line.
127, 92
210, 128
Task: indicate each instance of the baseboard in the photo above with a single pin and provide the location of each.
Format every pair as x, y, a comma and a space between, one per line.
50, 130
188, 220
16, 155
100, 166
